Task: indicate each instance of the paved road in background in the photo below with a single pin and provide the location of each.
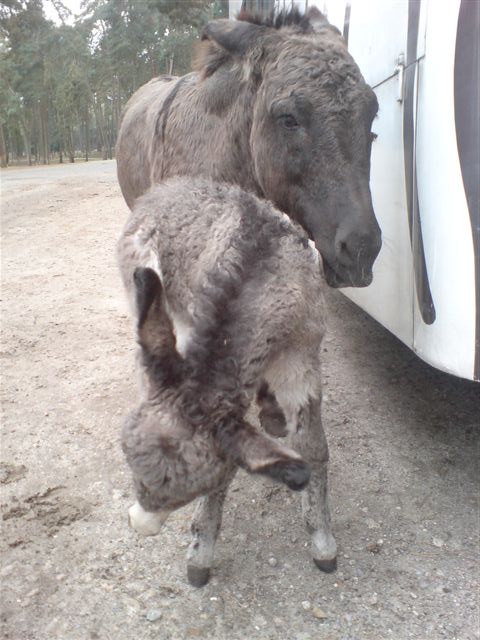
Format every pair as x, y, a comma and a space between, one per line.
13, 177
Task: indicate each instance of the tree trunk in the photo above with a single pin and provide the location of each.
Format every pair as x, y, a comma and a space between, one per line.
101, 128
118, 106
8, 145
71, 150
87, 133
26, 135
154, 71
46, 141
46, 154
41, 136
111, 137
68, 143
3, 149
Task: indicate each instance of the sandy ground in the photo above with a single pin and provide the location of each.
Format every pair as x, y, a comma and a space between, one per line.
404, 466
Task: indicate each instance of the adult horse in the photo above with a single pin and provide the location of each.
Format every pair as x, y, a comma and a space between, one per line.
279, 107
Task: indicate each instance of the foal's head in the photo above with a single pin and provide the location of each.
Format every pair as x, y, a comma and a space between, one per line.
183, 441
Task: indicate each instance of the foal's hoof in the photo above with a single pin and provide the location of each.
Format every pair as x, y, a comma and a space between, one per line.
327, 566
324, 550
198, 576
146, 523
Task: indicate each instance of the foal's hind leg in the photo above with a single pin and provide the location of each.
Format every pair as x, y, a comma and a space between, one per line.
205, 528
310, 441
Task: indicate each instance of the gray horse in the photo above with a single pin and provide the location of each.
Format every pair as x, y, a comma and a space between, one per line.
227, 294
280, 108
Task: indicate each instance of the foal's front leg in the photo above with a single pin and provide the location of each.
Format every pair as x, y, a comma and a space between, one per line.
310, 441
205, 528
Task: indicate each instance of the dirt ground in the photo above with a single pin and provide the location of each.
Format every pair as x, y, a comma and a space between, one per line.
404, 466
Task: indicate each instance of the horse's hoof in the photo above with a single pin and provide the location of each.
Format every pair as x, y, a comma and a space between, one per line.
327, 566
198, 576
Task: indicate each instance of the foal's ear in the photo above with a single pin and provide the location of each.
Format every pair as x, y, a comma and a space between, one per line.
235, 36
155, 331
319, 21
317, 18
258, 453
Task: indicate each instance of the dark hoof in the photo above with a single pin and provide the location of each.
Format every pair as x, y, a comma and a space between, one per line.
198, 576
327, 566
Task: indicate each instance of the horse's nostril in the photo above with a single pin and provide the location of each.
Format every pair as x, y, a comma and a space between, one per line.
344, 253
356, 247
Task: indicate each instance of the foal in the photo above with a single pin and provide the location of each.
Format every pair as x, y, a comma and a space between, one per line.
227, 296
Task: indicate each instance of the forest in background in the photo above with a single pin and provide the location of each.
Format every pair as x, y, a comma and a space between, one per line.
63, 86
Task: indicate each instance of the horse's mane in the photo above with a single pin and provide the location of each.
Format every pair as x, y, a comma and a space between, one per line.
277, 19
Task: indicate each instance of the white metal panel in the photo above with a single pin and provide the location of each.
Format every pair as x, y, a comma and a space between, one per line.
448, 343
333, 9
377, 36
382, 27
234, 8
389, 298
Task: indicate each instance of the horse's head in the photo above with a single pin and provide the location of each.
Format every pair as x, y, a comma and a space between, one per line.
310, 133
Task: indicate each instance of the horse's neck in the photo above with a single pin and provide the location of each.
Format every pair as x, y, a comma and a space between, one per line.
228, 103
238, 155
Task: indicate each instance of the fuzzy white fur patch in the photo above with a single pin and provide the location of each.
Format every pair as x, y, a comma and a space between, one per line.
144, 522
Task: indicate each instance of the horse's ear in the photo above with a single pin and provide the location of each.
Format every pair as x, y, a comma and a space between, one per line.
155, 331
235, 36
258, 453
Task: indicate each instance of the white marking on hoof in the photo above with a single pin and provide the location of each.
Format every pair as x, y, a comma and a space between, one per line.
146, 523
324, 546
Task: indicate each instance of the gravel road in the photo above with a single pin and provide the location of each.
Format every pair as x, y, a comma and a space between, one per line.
404, 443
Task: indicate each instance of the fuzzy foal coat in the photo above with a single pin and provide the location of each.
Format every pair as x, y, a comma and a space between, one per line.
240, 315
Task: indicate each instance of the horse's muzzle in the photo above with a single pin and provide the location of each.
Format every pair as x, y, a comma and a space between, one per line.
338, 277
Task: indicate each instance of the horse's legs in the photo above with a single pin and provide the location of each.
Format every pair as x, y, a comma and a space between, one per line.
310, 441
205, 528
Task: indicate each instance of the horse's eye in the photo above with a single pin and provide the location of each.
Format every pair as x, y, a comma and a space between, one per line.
373, 136
289, 121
